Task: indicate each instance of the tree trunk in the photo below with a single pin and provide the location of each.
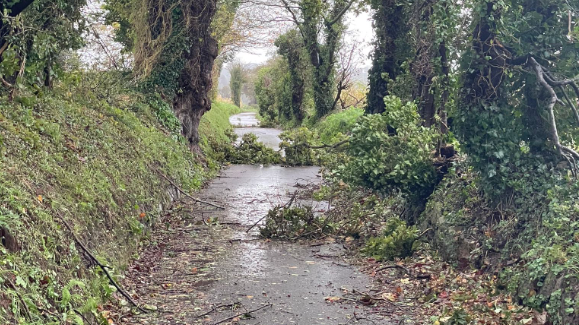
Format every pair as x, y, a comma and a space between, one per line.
195, 81
445, 88
390, 26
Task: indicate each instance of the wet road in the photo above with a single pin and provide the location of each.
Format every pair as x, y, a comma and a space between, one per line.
294, 279
247, 123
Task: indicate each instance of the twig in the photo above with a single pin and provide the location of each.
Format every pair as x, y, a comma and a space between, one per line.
291, 201
20, 297
231, 241
255, 224
185, 193
102, 266
241, 314
217, 307
395, 266
82, 316
422, 234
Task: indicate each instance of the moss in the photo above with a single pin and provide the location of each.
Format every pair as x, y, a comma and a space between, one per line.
93, 163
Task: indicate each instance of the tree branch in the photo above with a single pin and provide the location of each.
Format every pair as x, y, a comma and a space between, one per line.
294, 16
570, 102
340, 14
539, 70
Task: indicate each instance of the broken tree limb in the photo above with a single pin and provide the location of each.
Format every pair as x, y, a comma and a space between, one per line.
185, 193
331, 146
102, 266
241, 314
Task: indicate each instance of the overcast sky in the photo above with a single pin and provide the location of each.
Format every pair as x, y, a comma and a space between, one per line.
359, 31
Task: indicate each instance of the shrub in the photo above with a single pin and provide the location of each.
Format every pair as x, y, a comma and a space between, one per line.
395, 160
398, 241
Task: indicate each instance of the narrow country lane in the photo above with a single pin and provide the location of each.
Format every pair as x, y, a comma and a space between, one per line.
209, 273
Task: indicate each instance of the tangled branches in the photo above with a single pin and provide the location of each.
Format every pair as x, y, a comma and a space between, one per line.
549, 82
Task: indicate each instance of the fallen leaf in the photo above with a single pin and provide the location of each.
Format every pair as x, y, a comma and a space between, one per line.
332, 299
389, 296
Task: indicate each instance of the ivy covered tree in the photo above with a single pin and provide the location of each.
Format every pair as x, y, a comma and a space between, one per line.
391, 50
174, 55
290, 46
236, 82
313, 19
514, 75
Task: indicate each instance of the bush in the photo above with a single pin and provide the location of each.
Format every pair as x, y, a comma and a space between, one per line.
395, 160
398, 241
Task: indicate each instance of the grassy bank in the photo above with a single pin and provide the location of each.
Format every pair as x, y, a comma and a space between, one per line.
91, 158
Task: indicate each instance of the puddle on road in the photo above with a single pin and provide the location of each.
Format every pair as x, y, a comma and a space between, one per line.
288, 275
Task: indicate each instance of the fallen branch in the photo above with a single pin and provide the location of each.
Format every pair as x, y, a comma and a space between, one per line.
286, 206
395, 266
241, 314
102, 266
185, 193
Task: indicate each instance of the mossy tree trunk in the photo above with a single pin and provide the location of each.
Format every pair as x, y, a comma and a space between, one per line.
175, 55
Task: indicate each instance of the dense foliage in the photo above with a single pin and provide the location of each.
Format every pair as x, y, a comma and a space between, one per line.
401, 160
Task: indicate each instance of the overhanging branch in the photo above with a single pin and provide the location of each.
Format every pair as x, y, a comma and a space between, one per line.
541, 76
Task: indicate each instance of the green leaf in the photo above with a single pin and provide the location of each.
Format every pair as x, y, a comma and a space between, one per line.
21, 282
